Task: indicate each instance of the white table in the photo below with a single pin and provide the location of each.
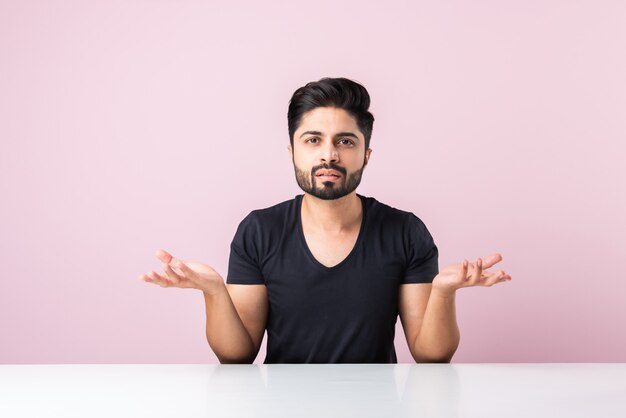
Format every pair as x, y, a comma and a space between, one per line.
314, 390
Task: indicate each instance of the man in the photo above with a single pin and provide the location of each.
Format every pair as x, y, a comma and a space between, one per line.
327, 272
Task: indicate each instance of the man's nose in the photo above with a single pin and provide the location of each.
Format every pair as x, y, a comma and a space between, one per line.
330, 153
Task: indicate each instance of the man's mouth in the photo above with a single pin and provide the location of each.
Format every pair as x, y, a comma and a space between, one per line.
327, 173
328, 177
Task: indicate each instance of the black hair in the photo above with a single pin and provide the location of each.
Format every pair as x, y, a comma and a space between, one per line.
332, 92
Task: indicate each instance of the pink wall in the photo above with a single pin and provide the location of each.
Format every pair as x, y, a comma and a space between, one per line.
127, 126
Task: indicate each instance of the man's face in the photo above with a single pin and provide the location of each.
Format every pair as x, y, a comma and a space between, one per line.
328, 153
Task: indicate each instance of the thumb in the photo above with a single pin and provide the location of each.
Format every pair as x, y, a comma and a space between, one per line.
164, 256
463, 272
491, 260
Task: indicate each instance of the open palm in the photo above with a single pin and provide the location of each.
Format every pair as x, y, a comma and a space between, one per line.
468, 274
184, 274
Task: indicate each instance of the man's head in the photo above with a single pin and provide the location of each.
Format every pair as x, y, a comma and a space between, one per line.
330, 129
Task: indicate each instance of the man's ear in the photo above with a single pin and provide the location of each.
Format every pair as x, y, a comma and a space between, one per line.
290, 151
368, 152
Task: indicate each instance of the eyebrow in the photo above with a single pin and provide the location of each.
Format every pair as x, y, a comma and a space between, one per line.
350, 134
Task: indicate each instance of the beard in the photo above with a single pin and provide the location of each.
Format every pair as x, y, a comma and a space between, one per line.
328, 190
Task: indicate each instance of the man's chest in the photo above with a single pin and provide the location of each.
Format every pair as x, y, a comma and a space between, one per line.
330, 250
333, 269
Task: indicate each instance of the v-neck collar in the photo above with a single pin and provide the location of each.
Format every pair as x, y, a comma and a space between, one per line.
306, 246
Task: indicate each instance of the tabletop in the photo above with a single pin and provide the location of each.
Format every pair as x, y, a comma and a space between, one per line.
314, 390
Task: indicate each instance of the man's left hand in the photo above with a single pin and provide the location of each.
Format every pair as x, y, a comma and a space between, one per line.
468, 274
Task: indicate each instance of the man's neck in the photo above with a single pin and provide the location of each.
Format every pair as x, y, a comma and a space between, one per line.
332, 216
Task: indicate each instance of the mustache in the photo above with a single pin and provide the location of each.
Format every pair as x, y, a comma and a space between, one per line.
328, 167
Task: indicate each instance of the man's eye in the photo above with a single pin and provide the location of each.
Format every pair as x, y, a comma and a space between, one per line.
348, 141
311, 139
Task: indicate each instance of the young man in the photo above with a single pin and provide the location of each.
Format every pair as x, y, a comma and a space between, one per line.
327, 272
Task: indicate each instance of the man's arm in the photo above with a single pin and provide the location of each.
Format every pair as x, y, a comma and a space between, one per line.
235, 322
235, 314
429, 322
428, 311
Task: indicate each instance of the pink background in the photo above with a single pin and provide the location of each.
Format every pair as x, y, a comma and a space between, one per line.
127, 126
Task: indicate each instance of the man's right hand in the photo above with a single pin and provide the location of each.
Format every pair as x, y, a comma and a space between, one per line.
185, 274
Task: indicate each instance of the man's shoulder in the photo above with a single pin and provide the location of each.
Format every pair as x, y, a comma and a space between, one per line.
270, 215
386, 212
278, 208
393, 220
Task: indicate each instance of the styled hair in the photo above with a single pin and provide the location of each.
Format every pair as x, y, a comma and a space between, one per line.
332, 92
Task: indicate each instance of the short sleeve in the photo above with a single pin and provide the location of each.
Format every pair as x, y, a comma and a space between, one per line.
243, 262
423, 254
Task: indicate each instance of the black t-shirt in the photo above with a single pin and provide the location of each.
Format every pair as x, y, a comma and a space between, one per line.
341, 314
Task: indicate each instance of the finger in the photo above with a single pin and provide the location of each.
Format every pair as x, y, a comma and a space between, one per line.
164, 256
172, 275
478, 270
491, 260
494, 278
148, 278
158, 279
184, 269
